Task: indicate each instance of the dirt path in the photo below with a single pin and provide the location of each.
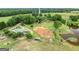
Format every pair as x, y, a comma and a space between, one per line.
21, 45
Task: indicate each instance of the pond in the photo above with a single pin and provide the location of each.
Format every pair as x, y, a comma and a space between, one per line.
75, 36
76, 32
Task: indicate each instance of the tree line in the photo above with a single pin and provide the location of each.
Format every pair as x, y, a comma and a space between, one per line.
15, 11
23, 19
31, 19
61, 10
28, 19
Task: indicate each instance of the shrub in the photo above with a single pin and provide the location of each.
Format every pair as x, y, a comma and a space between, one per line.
13, 34
29, 36
49, 17
2, 25
6, 31
39, 19
19, 34
11, 22
56, 17
57, 24
74, 18
29, 19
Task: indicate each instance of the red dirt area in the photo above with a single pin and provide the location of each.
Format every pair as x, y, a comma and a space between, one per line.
44, 32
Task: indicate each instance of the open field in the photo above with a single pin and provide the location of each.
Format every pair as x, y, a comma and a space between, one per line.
63, 14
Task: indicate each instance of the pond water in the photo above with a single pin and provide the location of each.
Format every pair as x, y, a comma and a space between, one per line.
75, 34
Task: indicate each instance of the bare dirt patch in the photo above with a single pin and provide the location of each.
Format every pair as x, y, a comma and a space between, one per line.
43, 32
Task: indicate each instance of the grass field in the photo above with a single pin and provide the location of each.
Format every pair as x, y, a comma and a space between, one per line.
63, 14
7, 43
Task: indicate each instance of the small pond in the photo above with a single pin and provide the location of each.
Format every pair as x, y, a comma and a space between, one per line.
75, 34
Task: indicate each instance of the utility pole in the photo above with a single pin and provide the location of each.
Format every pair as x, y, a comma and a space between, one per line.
66, 21
39, 11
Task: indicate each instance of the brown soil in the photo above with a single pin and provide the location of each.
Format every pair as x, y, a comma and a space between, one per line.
44, 32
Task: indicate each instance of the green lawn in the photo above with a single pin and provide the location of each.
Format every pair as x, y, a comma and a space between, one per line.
63, 14
39, 46
5, 19
7, 43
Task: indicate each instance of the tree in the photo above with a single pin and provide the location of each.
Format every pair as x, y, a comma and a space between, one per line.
17, 18
6, 31
10, 12
39, 19
19, 34
29, 19
35, 12
57, 18
49, 17
26, 19
32, 26
11, 22
57, 24
2, 25
14, 35
74, 18
29, 36
74, 21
